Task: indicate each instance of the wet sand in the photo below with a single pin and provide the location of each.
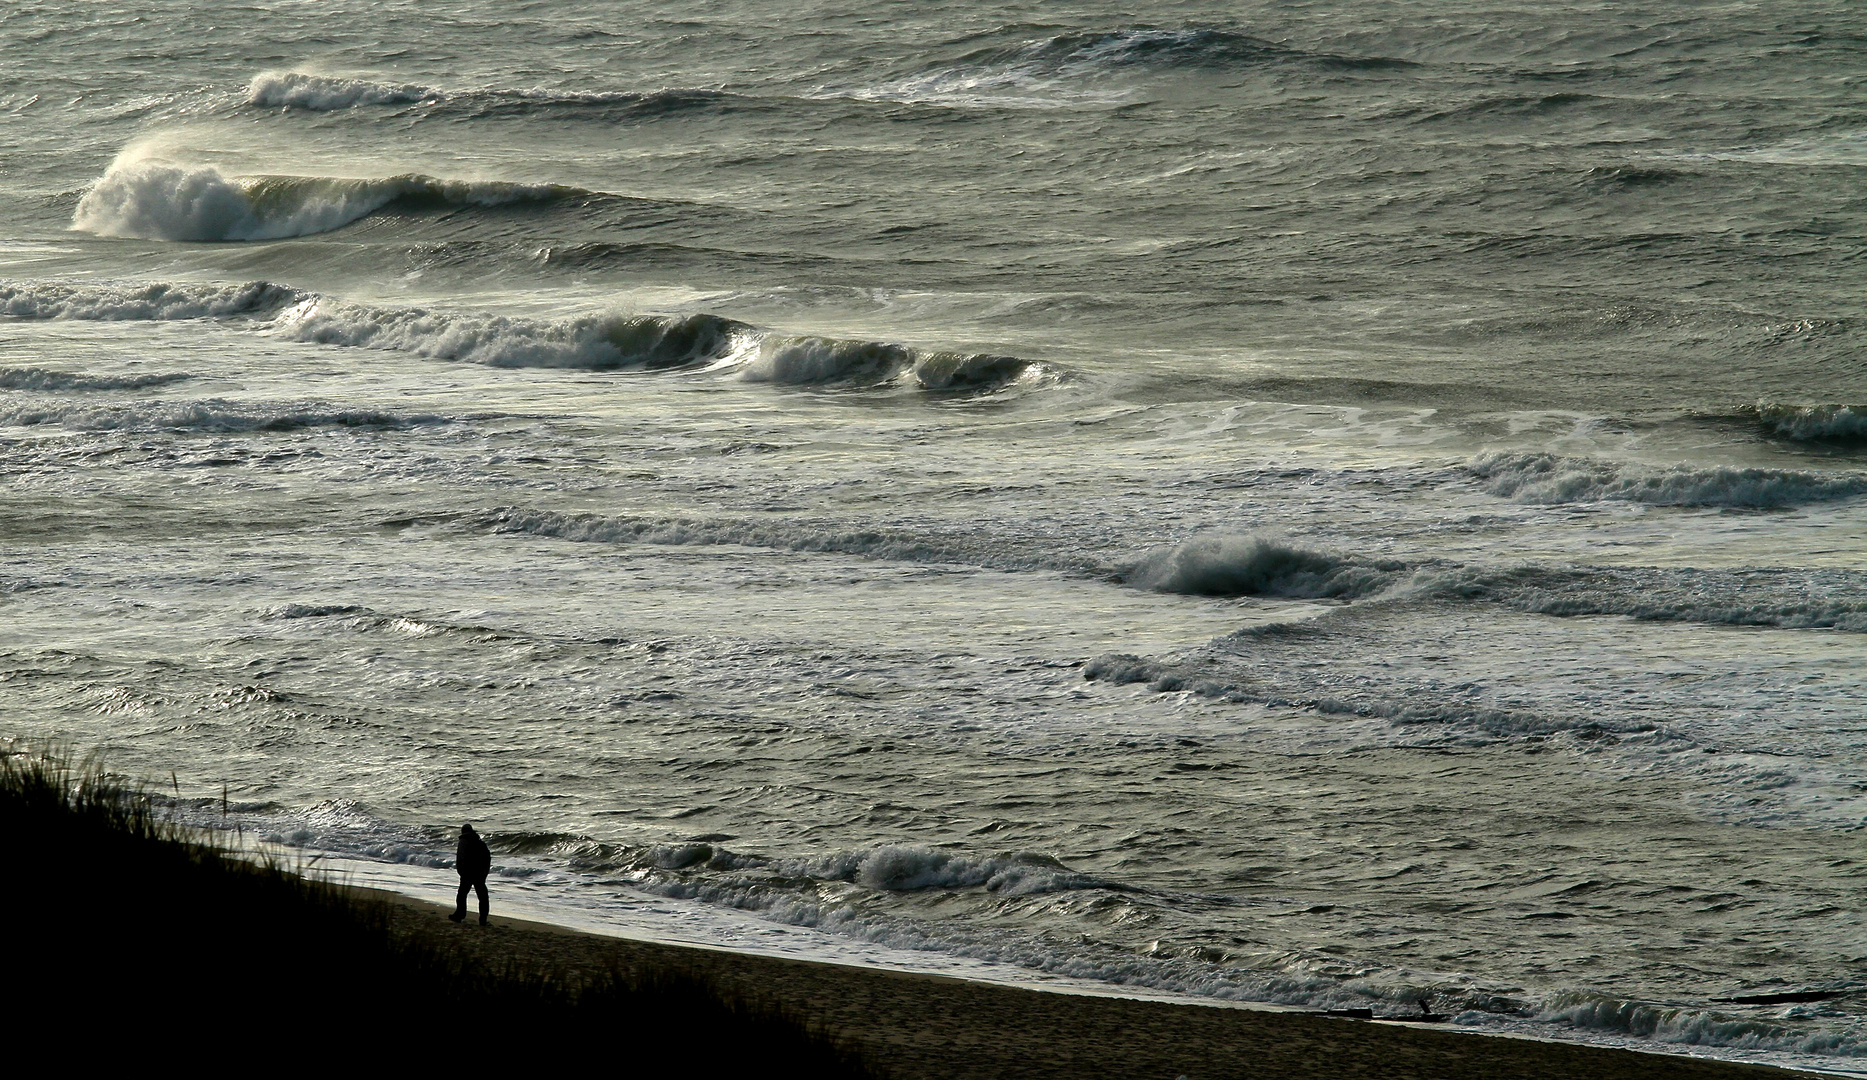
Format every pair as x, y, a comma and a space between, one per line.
922, 1027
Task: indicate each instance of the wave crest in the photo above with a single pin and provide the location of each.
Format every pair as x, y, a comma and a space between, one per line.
156, 301
604, 342
45, 379
322, 93
1814, 423
153, 199
592, 343
1549, 478
803, 360
1231, 565
1691, 1027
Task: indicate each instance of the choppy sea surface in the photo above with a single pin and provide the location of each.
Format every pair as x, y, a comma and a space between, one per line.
1349, 506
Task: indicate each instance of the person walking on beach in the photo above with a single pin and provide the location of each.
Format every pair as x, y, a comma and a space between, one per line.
473, 861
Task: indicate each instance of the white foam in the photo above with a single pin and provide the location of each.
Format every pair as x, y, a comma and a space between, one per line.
322, 93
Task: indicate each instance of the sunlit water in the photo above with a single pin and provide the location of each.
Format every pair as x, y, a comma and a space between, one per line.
1338, 506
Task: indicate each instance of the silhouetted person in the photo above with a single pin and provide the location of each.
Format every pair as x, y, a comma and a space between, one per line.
473, 861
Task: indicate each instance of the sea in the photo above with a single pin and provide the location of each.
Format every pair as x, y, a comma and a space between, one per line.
1339, 506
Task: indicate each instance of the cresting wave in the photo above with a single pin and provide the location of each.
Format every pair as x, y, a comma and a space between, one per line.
1222, 564
47, 380
328, 93
142, 301
1549, 479
1812, 423
609, 342
298, 90
148, 198
1691, 1027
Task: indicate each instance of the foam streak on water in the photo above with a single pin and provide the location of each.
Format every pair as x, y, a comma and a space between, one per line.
1335, 510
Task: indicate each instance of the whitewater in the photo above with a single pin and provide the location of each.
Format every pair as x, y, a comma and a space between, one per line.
1337, 508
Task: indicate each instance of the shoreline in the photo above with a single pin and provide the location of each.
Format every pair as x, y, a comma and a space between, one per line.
928, 1026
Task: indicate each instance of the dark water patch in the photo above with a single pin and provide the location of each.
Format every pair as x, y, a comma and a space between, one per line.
1631, 176
1163, 48
1790, 997
1516, 106
324, 93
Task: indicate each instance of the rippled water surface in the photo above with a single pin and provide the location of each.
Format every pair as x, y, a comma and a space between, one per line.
1354, 506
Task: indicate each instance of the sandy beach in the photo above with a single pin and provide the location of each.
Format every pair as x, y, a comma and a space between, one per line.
929, 1027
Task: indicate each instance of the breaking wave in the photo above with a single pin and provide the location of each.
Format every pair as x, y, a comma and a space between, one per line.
1231, 565
803, 360
606, 342
591, 343
297, 90
1548, 478
1690, 1026
1813, 423
148, 198
154, 301
45, 379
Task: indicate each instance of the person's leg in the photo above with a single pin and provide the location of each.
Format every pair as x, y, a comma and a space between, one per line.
478, 887
460, 901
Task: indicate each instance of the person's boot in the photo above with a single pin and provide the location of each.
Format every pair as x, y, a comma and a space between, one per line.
457, 916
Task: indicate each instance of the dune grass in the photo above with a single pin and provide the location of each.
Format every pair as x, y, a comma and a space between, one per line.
122, 924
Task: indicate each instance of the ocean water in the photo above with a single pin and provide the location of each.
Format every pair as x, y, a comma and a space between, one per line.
1339, 505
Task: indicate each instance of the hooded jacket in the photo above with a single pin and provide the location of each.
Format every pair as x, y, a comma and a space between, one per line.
473, 859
